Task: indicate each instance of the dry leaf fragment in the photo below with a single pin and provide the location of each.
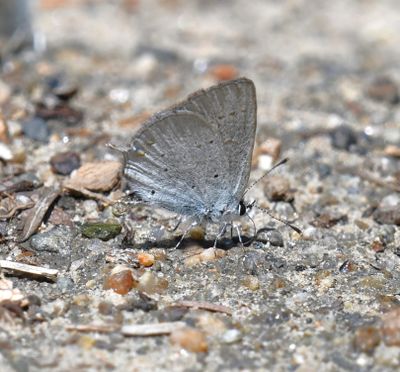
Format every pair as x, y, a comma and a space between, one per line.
10, 205
100, 177
36, 214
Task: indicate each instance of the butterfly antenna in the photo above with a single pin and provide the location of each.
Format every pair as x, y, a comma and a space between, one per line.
283, 161
285, 222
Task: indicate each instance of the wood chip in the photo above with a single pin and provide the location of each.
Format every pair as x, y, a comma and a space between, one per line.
203, 306
29, 269
97, 177
100, 328
36, 214
151, 329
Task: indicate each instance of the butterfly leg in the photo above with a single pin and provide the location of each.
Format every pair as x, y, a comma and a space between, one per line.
237, 228
194, 223
221, 233
177, 225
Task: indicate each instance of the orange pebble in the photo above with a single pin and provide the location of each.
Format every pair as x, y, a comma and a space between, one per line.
224, 72
120, 280
146, 259
190, 339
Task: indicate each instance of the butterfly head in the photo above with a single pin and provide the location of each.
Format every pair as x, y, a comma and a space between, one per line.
229, 213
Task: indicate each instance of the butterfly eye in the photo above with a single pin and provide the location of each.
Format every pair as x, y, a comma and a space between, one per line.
242, 208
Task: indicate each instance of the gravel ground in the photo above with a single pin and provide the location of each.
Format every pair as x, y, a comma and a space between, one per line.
327, 79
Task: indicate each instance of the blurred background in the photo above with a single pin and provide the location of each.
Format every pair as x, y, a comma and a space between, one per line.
303, 55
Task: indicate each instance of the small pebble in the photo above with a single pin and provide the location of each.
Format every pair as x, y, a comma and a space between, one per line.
65, 91
65, 162
366, 339
90, 206
384, 89
275, 238
272, 146
231, 336
251, 282
391, 327
224, 72
387, 215
36, 128
343, 137
393, 151
5, 92
5, 152
120, 280
277, 188
105, 308
151, 283
203, 255
145, 259
190, 339
4, 132
65, 284
101, 230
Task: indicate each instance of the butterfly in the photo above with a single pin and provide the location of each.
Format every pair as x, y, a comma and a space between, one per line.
194, 159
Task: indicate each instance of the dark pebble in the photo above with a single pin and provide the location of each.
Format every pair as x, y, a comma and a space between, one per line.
37, 129
384, 89
55, 240
171, 314
101, 230
34, 300
61, 112
388, 215
66, 202
65, 91
343, 137
65, 162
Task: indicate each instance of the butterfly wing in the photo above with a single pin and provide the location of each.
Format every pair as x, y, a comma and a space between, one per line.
232, 107
177, 161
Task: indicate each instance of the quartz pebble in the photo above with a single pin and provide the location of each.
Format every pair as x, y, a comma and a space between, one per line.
231, 336
146, 259
120, 280
151, 283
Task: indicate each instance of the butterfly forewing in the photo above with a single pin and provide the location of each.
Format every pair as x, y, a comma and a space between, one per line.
196, 157
175, 162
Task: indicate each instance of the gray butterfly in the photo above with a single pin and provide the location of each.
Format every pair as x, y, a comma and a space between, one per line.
194, 159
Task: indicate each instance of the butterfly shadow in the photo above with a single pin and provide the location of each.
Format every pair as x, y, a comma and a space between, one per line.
223, 243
